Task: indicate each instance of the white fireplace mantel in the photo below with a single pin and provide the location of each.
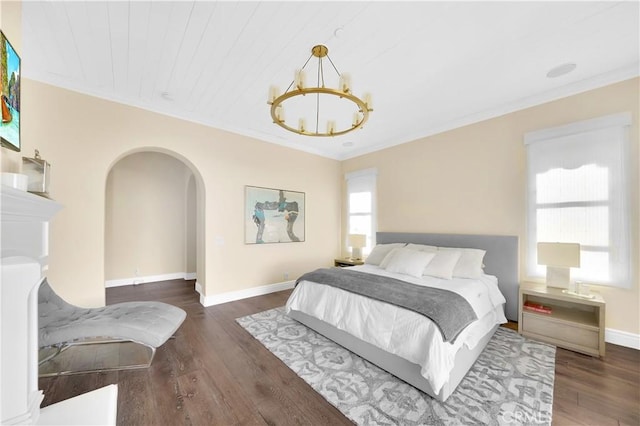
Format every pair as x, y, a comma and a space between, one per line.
23, 261
25, 224
21, 206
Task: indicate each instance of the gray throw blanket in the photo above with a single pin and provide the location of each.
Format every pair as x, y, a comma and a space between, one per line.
448, 310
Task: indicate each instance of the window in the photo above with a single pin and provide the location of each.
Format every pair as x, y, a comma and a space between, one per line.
361, 205
578, 192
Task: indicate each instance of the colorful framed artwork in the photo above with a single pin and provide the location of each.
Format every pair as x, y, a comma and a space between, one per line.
273, 215
9, 95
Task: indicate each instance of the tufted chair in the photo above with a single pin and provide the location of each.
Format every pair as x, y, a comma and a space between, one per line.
62, 324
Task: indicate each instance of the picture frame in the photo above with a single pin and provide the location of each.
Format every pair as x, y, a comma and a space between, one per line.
10, 75
274, 215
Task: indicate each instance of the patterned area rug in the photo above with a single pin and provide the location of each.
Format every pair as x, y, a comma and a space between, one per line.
511, 383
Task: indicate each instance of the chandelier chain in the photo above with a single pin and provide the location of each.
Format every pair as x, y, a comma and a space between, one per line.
332, 64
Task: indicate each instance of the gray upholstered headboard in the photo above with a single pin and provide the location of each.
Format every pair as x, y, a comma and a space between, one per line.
500, 260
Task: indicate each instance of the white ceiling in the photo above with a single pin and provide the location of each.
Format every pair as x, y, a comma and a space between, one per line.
430, 66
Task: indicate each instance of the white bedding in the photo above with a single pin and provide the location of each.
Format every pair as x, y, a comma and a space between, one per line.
400, 331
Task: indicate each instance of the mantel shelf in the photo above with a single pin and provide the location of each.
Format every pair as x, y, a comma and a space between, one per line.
22, 206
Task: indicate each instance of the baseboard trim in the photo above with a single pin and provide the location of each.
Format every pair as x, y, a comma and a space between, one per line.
622, 338
149, 279
231, 296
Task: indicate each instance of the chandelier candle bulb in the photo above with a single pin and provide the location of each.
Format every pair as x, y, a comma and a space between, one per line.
331, 126
273, 94
367, 100
300, 79
301, 124
345, 82
280, 114
356, 119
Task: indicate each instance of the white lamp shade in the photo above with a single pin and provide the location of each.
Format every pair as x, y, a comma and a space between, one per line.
559, 254
357, 240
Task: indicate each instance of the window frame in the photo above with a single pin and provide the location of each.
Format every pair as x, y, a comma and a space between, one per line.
360, 177
620, 124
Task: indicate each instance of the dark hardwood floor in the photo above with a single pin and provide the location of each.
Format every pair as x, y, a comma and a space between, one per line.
215, 373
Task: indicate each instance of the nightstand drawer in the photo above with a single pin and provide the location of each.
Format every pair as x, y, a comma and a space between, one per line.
558, 330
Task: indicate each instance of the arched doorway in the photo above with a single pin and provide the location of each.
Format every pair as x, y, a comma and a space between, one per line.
154, 210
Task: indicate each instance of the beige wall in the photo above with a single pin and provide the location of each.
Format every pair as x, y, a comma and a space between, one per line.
83, 137
146, 216
473, 180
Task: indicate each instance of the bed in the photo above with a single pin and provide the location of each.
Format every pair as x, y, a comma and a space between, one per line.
420, 356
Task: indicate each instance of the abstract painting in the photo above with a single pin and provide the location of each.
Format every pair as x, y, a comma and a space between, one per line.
273, 215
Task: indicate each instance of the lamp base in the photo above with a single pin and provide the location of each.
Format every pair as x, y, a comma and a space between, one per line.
356, 253
558, 276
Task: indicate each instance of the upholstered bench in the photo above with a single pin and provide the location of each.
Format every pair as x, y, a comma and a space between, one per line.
63, 325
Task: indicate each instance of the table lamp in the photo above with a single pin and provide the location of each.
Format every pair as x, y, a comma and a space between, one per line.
356, 242
559, 259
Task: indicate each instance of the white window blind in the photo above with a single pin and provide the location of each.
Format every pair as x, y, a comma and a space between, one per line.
578, 192
361, 205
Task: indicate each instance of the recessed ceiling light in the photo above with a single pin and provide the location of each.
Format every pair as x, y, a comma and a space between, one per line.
347, 144
561, 70
339, 32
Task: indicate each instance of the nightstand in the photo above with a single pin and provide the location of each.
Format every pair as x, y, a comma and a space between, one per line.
347, 262
574, 323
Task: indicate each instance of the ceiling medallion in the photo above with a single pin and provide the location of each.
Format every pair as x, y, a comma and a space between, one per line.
352, 111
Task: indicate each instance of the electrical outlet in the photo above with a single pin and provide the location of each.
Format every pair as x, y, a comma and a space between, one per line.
286, 276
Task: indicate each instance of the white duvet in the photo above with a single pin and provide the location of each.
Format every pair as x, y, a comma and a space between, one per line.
400, 331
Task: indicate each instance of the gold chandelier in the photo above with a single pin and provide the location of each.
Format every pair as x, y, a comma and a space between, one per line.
352, 111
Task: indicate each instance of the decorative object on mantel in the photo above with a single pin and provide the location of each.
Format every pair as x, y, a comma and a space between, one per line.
343, 111
38, 171
15, 180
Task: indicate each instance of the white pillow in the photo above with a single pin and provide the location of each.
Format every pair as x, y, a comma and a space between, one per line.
422, 247
409, 262
388, 257
470, 263
380, 251
442, 265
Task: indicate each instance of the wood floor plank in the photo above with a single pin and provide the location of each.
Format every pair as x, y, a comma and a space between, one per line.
136, 400
204, 401
165, 387
214, 372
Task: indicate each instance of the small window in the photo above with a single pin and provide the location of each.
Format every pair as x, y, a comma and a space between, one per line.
361, 205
